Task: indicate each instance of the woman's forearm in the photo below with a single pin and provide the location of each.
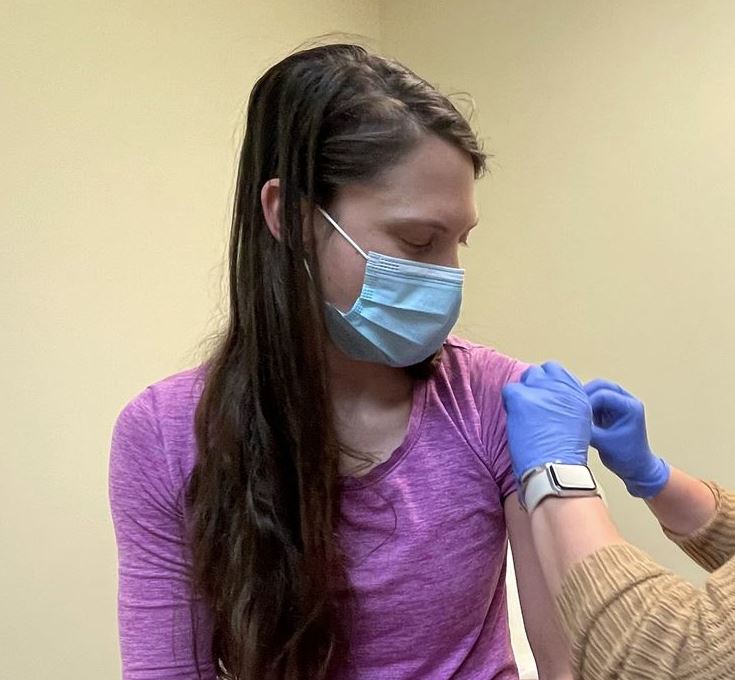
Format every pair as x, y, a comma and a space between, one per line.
566, 530
624, 615
685, 505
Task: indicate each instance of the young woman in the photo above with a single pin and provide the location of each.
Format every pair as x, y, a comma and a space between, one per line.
328, 496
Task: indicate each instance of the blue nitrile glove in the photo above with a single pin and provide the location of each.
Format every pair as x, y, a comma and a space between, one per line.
619, 434
549, 418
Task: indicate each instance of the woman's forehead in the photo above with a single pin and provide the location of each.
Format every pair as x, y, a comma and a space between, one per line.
446, 208
432, 164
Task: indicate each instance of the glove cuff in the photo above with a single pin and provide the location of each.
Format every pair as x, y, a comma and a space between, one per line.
654, 483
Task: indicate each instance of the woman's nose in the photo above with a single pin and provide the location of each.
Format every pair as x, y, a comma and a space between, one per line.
451, 259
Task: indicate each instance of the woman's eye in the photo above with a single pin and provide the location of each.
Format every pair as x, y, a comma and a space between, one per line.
416, 245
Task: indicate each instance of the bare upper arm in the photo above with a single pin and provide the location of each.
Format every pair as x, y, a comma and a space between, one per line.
548, 644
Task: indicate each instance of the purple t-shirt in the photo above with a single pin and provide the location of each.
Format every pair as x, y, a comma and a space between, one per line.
424, 533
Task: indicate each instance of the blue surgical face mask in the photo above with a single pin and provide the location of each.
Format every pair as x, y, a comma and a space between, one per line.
404, 312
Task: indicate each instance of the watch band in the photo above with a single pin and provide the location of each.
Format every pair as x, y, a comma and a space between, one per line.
560, 480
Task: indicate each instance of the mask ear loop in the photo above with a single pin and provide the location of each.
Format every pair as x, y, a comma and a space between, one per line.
342, 232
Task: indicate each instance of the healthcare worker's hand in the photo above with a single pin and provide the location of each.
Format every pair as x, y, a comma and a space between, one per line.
619, 434
549, 418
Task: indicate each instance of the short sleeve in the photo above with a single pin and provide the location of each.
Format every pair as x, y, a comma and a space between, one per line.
162, 628
490, 372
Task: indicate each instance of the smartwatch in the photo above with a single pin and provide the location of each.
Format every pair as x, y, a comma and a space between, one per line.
556, 479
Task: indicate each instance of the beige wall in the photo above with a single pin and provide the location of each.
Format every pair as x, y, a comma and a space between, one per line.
119, 127
606, 238
608, 226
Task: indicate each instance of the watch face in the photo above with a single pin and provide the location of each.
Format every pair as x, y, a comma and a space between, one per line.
573, 477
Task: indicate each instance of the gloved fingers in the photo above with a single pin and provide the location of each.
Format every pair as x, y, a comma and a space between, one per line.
555, 370
608, 407
533, 375
605, 401
511, 394
599, 384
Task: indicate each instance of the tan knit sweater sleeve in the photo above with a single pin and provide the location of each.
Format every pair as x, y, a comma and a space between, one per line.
628, 618
714, 543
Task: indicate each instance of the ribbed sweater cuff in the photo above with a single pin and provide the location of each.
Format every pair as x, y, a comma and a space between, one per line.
713, 544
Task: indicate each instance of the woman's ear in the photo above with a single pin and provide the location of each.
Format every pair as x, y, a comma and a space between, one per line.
270, 201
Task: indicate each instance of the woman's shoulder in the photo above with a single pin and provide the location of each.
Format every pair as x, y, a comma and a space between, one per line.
474, 375
482, 365
177, 396
169, 402
157, 425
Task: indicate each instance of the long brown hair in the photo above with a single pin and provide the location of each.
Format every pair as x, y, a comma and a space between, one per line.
263, 496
